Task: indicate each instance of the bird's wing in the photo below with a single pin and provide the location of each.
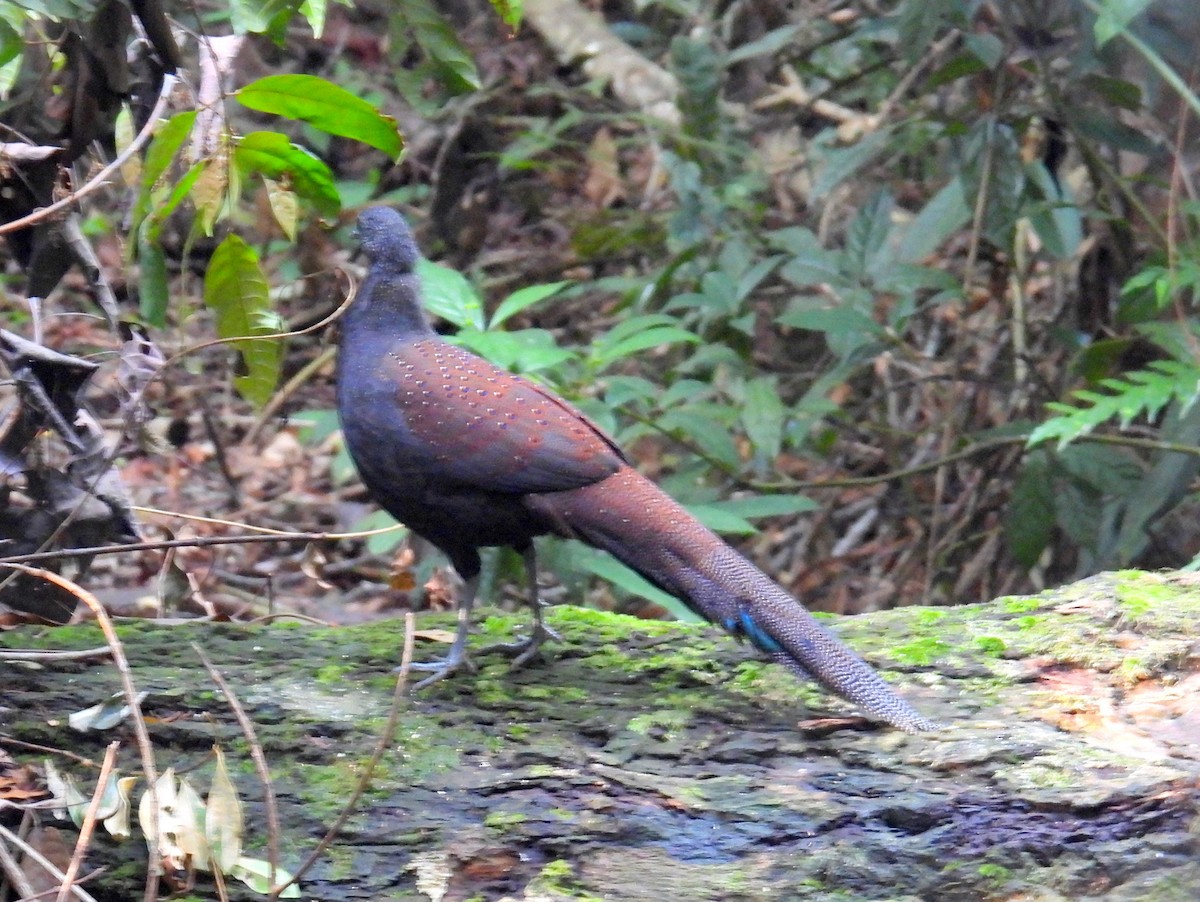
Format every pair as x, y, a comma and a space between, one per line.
478, 426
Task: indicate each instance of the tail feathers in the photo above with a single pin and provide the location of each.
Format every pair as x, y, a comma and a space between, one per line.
646, 530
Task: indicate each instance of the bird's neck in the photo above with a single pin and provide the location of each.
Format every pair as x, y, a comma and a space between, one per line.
388, 308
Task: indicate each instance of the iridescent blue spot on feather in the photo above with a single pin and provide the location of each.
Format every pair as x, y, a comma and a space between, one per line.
756, 635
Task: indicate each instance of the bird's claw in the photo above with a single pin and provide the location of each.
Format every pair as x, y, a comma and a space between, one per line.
448, 666
525, 650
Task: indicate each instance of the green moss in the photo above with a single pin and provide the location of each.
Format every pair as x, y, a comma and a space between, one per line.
500, 821
557, 878
992, 871
992, 646
929, 616
920, 652
1021, 605
672, 720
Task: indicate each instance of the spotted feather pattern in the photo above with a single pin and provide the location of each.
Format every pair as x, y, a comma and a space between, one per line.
469, 455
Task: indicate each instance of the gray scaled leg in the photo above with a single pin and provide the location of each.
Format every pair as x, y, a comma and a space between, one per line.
457, 659
527, 649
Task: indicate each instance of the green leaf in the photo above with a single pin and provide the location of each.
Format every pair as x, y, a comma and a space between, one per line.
753, 506
509, 11
986, 47
523, 351
236, 290
945, 213
1114, 18
153, 282
769, 43
267, 17
11, 43
609, 568
315, 11
523, 299
763, 415
722, 521
839, 165
651, 338
162, 150
449, 295
702, 425
324, 106
272, 155
810, 263
1141, 392
439, 40
1029, 519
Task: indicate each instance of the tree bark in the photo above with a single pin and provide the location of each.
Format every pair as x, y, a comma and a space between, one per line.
645, 760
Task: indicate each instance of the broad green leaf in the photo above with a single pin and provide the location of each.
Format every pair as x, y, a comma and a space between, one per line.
11, 43
1114, 18
236, 290
267, 17
165, 144
701, 424
448, 294
272, 155
315, 11
621, 390
769, 43
153, 282
651, 338
763, 415
1057, 219
522, 299
1029, 519
944, 214
753, 506
609, 568
832, 320
324, 106
439, 40
986, 47
523, 351
810, 263
723, 521
839, 164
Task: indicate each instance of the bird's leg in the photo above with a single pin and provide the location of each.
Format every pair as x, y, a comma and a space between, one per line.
457, 659
526, 649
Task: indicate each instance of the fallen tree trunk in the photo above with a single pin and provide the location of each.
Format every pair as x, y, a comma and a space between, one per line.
659, 761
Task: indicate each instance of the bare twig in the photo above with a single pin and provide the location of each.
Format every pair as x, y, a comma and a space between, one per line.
386, 739
89, 823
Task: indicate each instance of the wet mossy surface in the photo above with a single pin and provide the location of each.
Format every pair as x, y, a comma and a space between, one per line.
649, 761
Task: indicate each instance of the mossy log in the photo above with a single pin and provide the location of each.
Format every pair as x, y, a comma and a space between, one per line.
644, 760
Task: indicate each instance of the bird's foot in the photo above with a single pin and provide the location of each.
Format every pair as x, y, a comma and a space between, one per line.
527, 649
448, 666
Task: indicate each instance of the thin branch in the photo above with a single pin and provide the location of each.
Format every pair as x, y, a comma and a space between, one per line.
89, 823
386, 740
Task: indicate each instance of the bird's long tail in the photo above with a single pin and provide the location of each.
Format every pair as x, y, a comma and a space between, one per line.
630, 517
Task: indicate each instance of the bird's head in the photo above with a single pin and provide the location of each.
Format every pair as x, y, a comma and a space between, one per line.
386, 239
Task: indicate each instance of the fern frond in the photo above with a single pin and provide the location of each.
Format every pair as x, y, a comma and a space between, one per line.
1140, 392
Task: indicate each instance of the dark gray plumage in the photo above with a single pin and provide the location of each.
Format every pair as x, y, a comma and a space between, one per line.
468, 455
